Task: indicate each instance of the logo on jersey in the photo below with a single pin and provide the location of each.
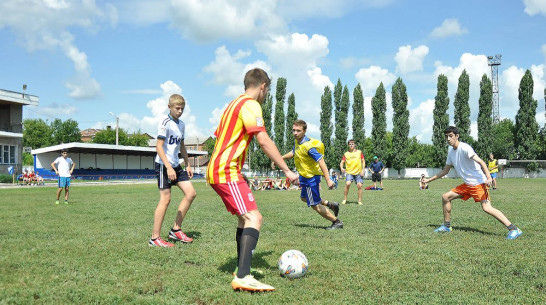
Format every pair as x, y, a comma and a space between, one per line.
259, 122
174, 140
250, 197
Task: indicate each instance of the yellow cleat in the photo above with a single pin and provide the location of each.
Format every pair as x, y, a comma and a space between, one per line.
249, 283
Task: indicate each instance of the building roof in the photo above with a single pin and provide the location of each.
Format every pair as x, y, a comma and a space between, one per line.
107, 149
8, 97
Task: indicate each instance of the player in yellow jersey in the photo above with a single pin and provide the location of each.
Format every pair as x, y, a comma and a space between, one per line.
241, 121
354, 170
493, 166
308, 156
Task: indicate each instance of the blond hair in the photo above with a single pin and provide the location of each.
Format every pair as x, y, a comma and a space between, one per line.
177, 99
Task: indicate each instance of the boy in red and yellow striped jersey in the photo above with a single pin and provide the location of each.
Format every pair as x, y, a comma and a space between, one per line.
241, 121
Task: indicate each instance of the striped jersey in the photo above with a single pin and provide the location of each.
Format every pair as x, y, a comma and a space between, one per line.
172, 131
353, 162
306, 156
240, 121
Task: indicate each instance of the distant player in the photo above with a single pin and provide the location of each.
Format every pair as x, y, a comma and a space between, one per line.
493, 165
308, 156
241, 121
169, 172
63, 167
476, 184
356, 165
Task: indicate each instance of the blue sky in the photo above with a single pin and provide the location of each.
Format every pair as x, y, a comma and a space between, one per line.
85, 58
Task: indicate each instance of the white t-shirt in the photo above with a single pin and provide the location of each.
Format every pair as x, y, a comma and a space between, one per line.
172, 131
63, 166
464, 165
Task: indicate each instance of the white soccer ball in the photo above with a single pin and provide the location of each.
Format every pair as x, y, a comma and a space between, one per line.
293, 264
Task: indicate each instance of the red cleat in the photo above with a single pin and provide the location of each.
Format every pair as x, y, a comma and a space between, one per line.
158, 242
179, 236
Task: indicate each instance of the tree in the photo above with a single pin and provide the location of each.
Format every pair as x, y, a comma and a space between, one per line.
526, 129
108, 136
209, 145
359, 134
342, 124
379, 123
462, 108
279, 114
419, 154
441, 122
291, 116
485, 120
137, 139
401, 127
259, 159
326, 126
502, 145
65, 132
37, 133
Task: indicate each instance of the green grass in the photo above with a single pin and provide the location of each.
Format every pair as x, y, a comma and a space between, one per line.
95, 250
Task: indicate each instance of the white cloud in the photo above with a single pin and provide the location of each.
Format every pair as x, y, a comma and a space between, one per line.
370, 78
533, 7
56, 110
409, 60
421, 121
450, 27
510, 80
44, 25
544, 50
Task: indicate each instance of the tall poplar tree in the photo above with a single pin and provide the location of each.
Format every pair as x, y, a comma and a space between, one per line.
326, 126
485, 119
400, 123
342, 126
462, 108
280, 120
359, 135
291, 116
258, 158
441, 121
379, 123
526, 128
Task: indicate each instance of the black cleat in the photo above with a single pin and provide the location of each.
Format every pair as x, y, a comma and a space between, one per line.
338, 224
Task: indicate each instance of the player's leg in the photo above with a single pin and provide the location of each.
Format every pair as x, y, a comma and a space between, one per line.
66, 193
189, 195
359, 186
160, 210
446, 206
489, 209
348, 181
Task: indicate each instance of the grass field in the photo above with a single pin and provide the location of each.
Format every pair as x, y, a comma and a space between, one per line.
95, 250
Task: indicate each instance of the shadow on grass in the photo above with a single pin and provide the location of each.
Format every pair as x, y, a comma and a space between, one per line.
465, 229
258, 262
193, 234
304, 225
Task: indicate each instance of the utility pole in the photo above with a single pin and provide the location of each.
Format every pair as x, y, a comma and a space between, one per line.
117, 130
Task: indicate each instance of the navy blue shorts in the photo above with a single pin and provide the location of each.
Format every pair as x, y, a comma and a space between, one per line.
163, 181
310, 190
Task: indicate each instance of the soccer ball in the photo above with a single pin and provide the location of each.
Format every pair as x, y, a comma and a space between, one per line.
293, 264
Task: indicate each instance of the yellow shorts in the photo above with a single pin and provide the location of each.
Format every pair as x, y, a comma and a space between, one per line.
479, 192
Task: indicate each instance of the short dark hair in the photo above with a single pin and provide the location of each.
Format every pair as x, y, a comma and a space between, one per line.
300, 123
351, 140
450, 129
64, 150
256, 77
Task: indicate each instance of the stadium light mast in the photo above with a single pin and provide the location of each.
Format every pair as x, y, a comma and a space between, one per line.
494, 62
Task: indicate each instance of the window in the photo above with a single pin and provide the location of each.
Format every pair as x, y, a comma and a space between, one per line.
8, 154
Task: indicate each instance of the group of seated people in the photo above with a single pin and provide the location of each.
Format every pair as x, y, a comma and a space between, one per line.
30, 178
271, 184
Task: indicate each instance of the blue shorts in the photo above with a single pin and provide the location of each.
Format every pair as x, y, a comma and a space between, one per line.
163, 181
310, 190
493, 175
64, 182
355, 178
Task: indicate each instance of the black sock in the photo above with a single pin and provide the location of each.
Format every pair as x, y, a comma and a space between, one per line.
511, 227
328, 204
238, 240
175, 230
249, 239
447, 224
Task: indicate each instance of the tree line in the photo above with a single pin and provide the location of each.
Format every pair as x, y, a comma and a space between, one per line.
506, 139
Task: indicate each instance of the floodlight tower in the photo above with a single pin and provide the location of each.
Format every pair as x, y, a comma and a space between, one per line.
494, 62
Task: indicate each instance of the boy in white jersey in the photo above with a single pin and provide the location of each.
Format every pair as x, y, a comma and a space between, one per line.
63, 167
169, 172
477, 180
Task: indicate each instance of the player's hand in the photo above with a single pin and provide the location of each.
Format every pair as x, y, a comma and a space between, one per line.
190, 171
330, 183
293, 177
489, 181
171, 174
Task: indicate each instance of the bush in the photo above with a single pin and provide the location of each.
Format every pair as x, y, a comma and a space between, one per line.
6, 179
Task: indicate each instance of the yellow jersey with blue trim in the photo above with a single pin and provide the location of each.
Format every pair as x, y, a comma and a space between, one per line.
306, 157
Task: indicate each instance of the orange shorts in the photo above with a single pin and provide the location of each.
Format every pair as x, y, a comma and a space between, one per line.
236, 196
479, 192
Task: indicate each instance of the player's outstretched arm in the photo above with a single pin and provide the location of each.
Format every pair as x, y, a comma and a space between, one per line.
484, 167
271, 151
444, 172
324, 169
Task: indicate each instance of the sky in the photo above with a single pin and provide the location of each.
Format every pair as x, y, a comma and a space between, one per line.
93, 61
